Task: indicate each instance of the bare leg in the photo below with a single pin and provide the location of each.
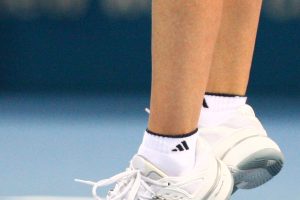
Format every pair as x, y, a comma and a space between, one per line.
184, 36
226, 120
233, 54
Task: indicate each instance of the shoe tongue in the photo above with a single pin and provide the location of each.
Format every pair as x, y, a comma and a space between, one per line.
147, 168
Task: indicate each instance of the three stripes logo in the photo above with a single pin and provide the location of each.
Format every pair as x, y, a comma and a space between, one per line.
181, 147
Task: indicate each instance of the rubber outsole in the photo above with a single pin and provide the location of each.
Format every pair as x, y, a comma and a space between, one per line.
257, 169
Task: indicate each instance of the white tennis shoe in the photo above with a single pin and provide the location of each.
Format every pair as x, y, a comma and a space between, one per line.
144, 181
243, 145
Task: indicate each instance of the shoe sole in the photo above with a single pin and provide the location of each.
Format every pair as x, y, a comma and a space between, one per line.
260, 165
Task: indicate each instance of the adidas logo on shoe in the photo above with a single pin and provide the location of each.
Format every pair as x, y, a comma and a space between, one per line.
181, 147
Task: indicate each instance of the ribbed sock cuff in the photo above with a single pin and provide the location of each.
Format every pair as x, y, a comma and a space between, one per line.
184, 135
166, 144
220, 102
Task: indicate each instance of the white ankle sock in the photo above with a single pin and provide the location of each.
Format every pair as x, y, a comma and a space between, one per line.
172, 155
218, 109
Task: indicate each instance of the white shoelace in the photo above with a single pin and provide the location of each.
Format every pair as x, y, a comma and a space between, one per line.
147, 110
130, 185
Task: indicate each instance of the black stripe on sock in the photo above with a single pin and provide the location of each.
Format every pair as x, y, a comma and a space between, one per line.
185, 145
171, 135
224, 94
180, 147
204, 104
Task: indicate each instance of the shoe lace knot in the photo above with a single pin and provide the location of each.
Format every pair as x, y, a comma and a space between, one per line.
129, 185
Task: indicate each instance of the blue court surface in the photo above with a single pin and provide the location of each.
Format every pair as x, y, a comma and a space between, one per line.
48, 140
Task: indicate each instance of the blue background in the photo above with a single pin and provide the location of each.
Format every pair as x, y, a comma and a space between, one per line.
98, 53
